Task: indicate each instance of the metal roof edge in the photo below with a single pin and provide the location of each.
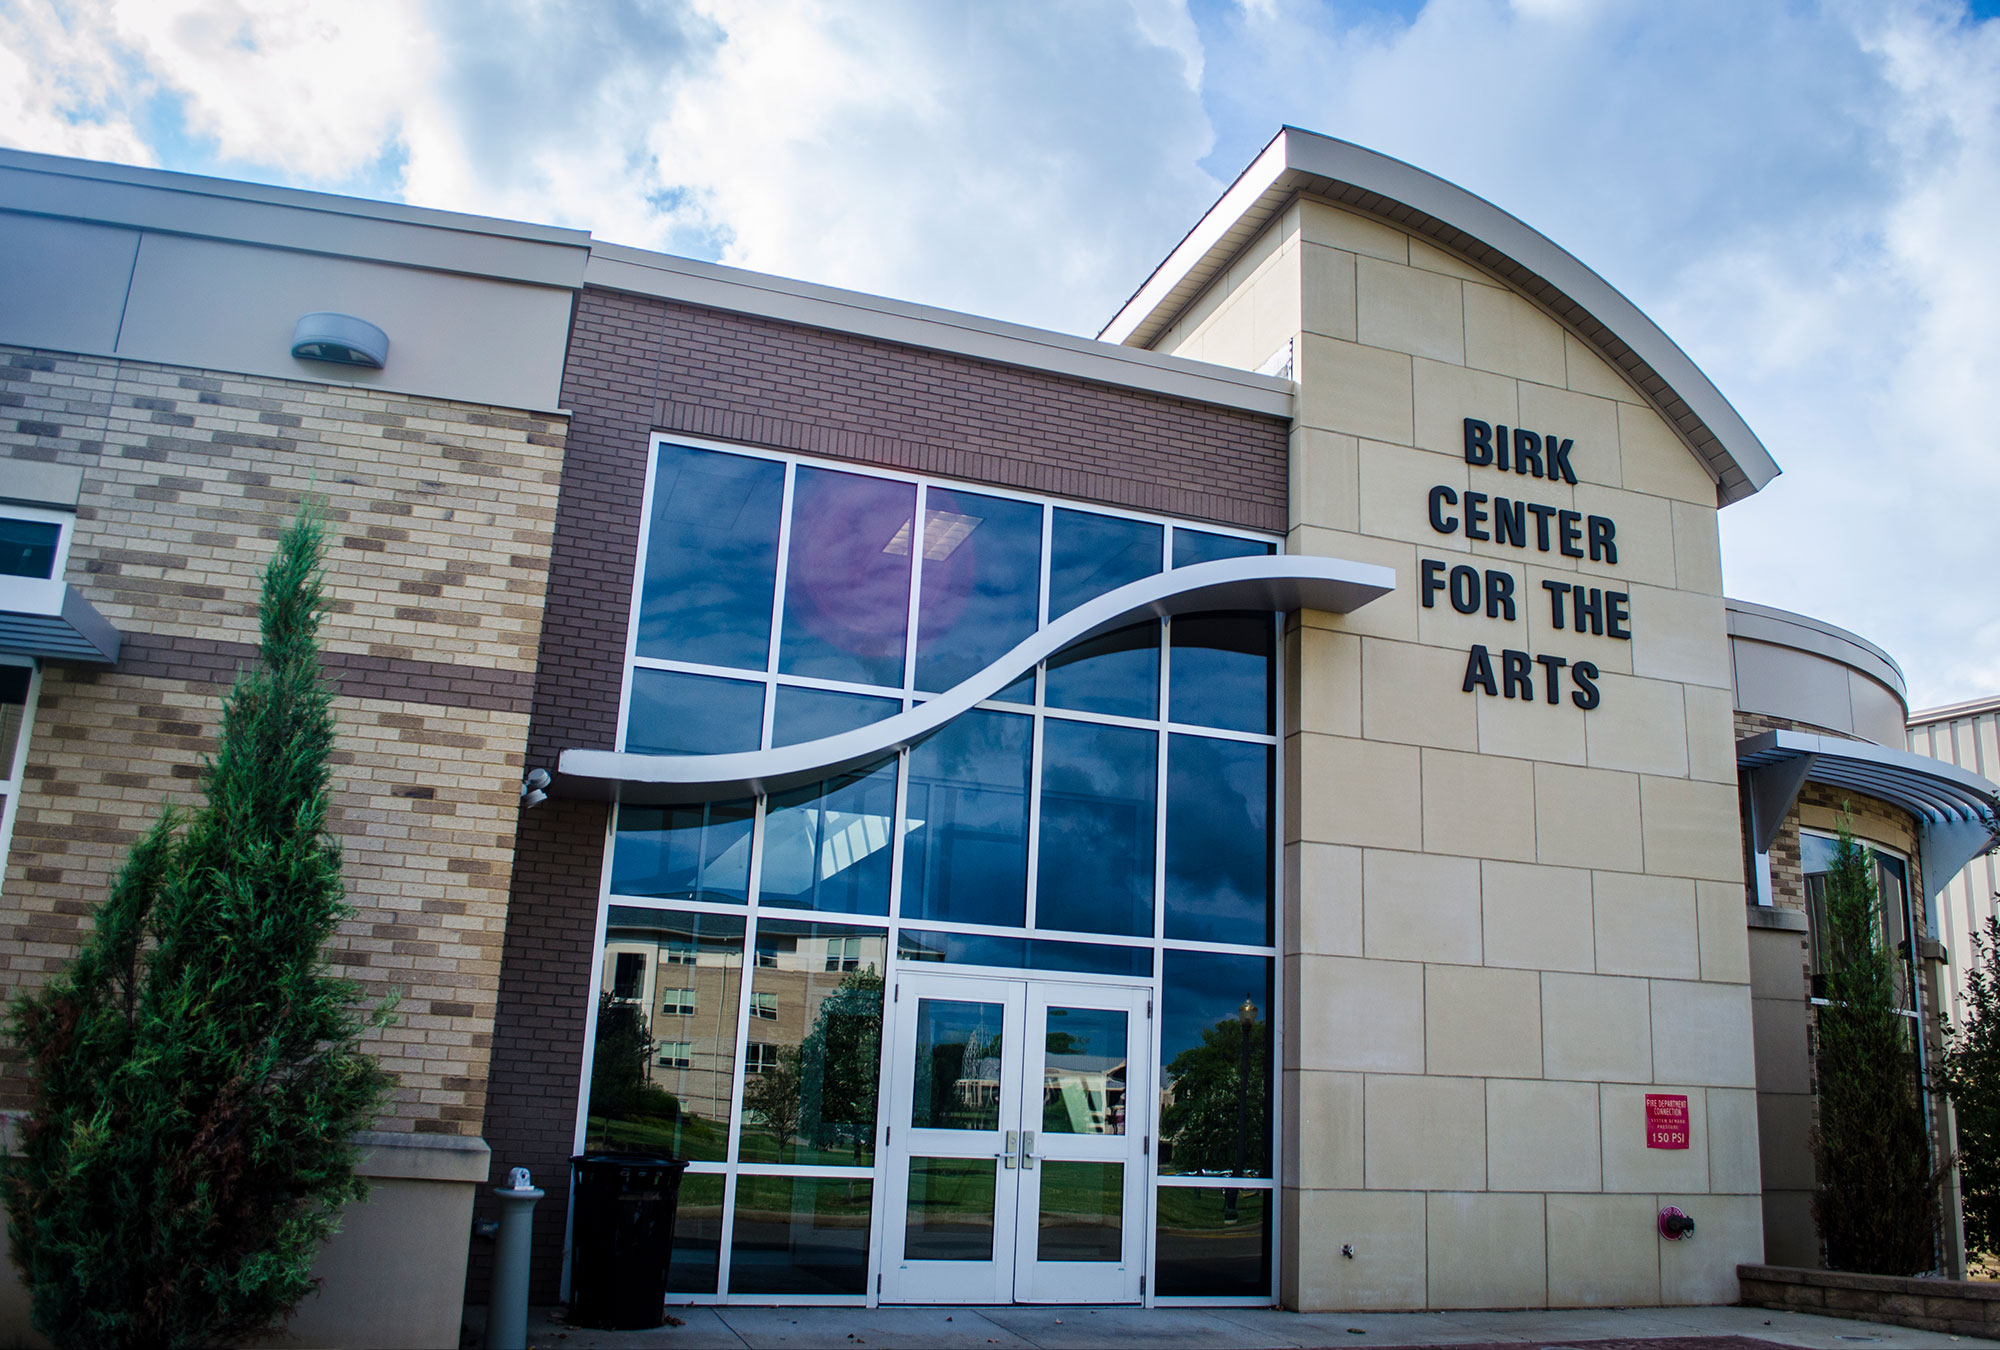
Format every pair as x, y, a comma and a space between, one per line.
1766, 623
643, 272
295, 219
1951, 712
1356, 178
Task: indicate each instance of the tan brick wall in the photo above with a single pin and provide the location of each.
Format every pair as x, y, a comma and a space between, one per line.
440, 517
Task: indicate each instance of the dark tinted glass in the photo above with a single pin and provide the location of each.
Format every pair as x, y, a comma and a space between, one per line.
1218, 840
1095, 872
697, 1235
28, 548
816, 1013
674, 713
826, 847
986, 949
1222, 671
1214, 1060
1082, 1212
965, 857
808, 714
664, 1060
1118, 673
683, 852
1213, 1243
982, 583
1198, 546
1091, 554
800, 1235
711, 558
847, 586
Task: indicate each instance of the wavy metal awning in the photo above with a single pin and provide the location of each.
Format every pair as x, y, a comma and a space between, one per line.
1284, 582
52, 620
1958, 812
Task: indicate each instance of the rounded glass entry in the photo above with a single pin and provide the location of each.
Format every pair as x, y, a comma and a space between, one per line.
1016, 1143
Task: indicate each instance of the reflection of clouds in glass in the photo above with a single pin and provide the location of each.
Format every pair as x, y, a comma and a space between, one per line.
1218, 840
711, 558
847, 597
980, 594
1095, 872
1092, 554
969, 785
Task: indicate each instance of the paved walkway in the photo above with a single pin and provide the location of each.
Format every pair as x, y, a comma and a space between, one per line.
1238, 1328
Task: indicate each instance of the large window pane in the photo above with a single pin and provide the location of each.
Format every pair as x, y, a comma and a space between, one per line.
815, 1040
1219, 875
800, 1235
950, 1212
1083, 1073
674, 713
1222, 674
808, 714
982, 583
1199, 546
1215, 1046
1095, 872
683, 852
1083, 1212
697, 1235
826, 847
847, 586
1091, 554
711, 558
1213, 1243
965, 857
663, 1064
1117, 673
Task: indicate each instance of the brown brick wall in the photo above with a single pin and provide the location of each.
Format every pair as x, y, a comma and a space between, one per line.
440, 514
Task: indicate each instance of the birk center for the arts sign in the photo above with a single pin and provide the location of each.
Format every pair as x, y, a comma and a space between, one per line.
1531, 526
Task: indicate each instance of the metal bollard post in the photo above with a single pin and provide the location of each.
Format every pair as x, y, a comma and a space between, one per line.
507, 1308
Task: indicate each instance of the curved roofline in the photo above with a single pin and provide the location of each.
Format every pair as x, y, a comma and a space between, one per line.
1802, 632
1303, 162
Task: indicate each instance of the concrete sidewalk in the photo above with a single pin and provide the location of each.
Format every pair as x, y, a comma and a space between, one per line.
748, 1328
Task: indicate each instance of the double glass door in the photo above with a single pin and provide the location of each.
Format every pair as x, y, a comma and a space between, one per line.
1019, 1127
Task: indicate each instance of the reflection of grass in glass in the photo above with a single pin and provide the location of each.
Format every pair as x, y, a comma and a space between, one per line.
1084, 1190
688, 1137
1193, 1209
944, 1188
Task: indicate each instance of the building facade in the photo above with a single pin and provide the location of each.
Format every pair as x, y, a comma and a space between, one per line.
1269, 805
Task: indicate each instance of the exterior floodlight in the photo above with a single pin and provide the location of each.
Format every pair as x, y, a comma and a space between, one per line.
341, 339
531, 788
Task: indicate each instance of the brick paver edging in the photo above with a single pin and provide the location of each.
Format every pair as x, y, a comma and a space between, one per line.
1962, 1307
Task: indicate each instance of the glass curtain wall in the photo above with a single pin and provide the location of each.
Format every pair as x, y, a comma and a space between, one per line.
1109, 814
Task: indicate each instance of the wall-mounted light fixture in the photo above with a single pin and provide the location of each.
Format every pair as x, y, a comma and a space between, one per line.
531, 787
341, 339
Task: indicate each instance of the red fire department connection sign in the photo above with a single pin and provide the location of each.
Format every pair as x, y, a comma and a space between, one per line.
1666, 1121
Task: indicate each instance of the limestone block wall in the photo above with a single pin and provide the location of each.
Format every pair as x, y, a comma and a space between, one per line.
1508, 920
440, 520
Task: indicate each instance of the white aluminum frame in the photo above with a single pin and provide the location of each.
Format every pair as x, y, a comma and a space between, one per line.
892, 925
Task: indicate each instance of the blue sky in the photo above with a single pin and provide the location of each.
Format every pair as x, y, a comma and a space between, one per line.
1800, 193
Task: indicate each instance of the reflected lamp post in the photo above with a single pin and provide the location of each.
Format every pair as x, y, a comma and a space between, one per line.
1247, 1015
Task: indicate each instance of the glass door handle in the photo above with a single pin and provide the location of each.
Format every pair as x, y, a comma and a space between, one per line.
1027, 1150
1006, 1155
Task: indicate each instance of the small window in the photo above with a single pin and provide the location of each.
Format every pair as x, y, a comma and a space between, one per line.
764, 1006
676, 1054
28, 547
677, 1003
628, 975
1899, 919
759, 1057
675, 952
843, 954
767, 958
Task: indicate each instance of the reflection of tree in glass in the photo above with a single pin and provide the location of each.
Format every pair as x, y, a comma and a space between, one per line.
1208, 1093
625, 1109
821, 1092
961, 1082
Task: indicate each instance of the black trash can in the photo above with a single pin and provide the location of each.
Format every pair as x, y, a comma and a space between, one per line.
621, 1238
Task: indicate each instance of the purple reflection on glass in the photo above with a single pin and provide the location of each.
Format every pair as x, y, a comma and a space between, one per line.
847, 589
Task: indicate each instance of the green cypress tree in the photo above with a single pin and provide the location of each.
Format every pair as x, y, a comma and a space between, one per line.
1971, 1072
1876, 1202
197, 1071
